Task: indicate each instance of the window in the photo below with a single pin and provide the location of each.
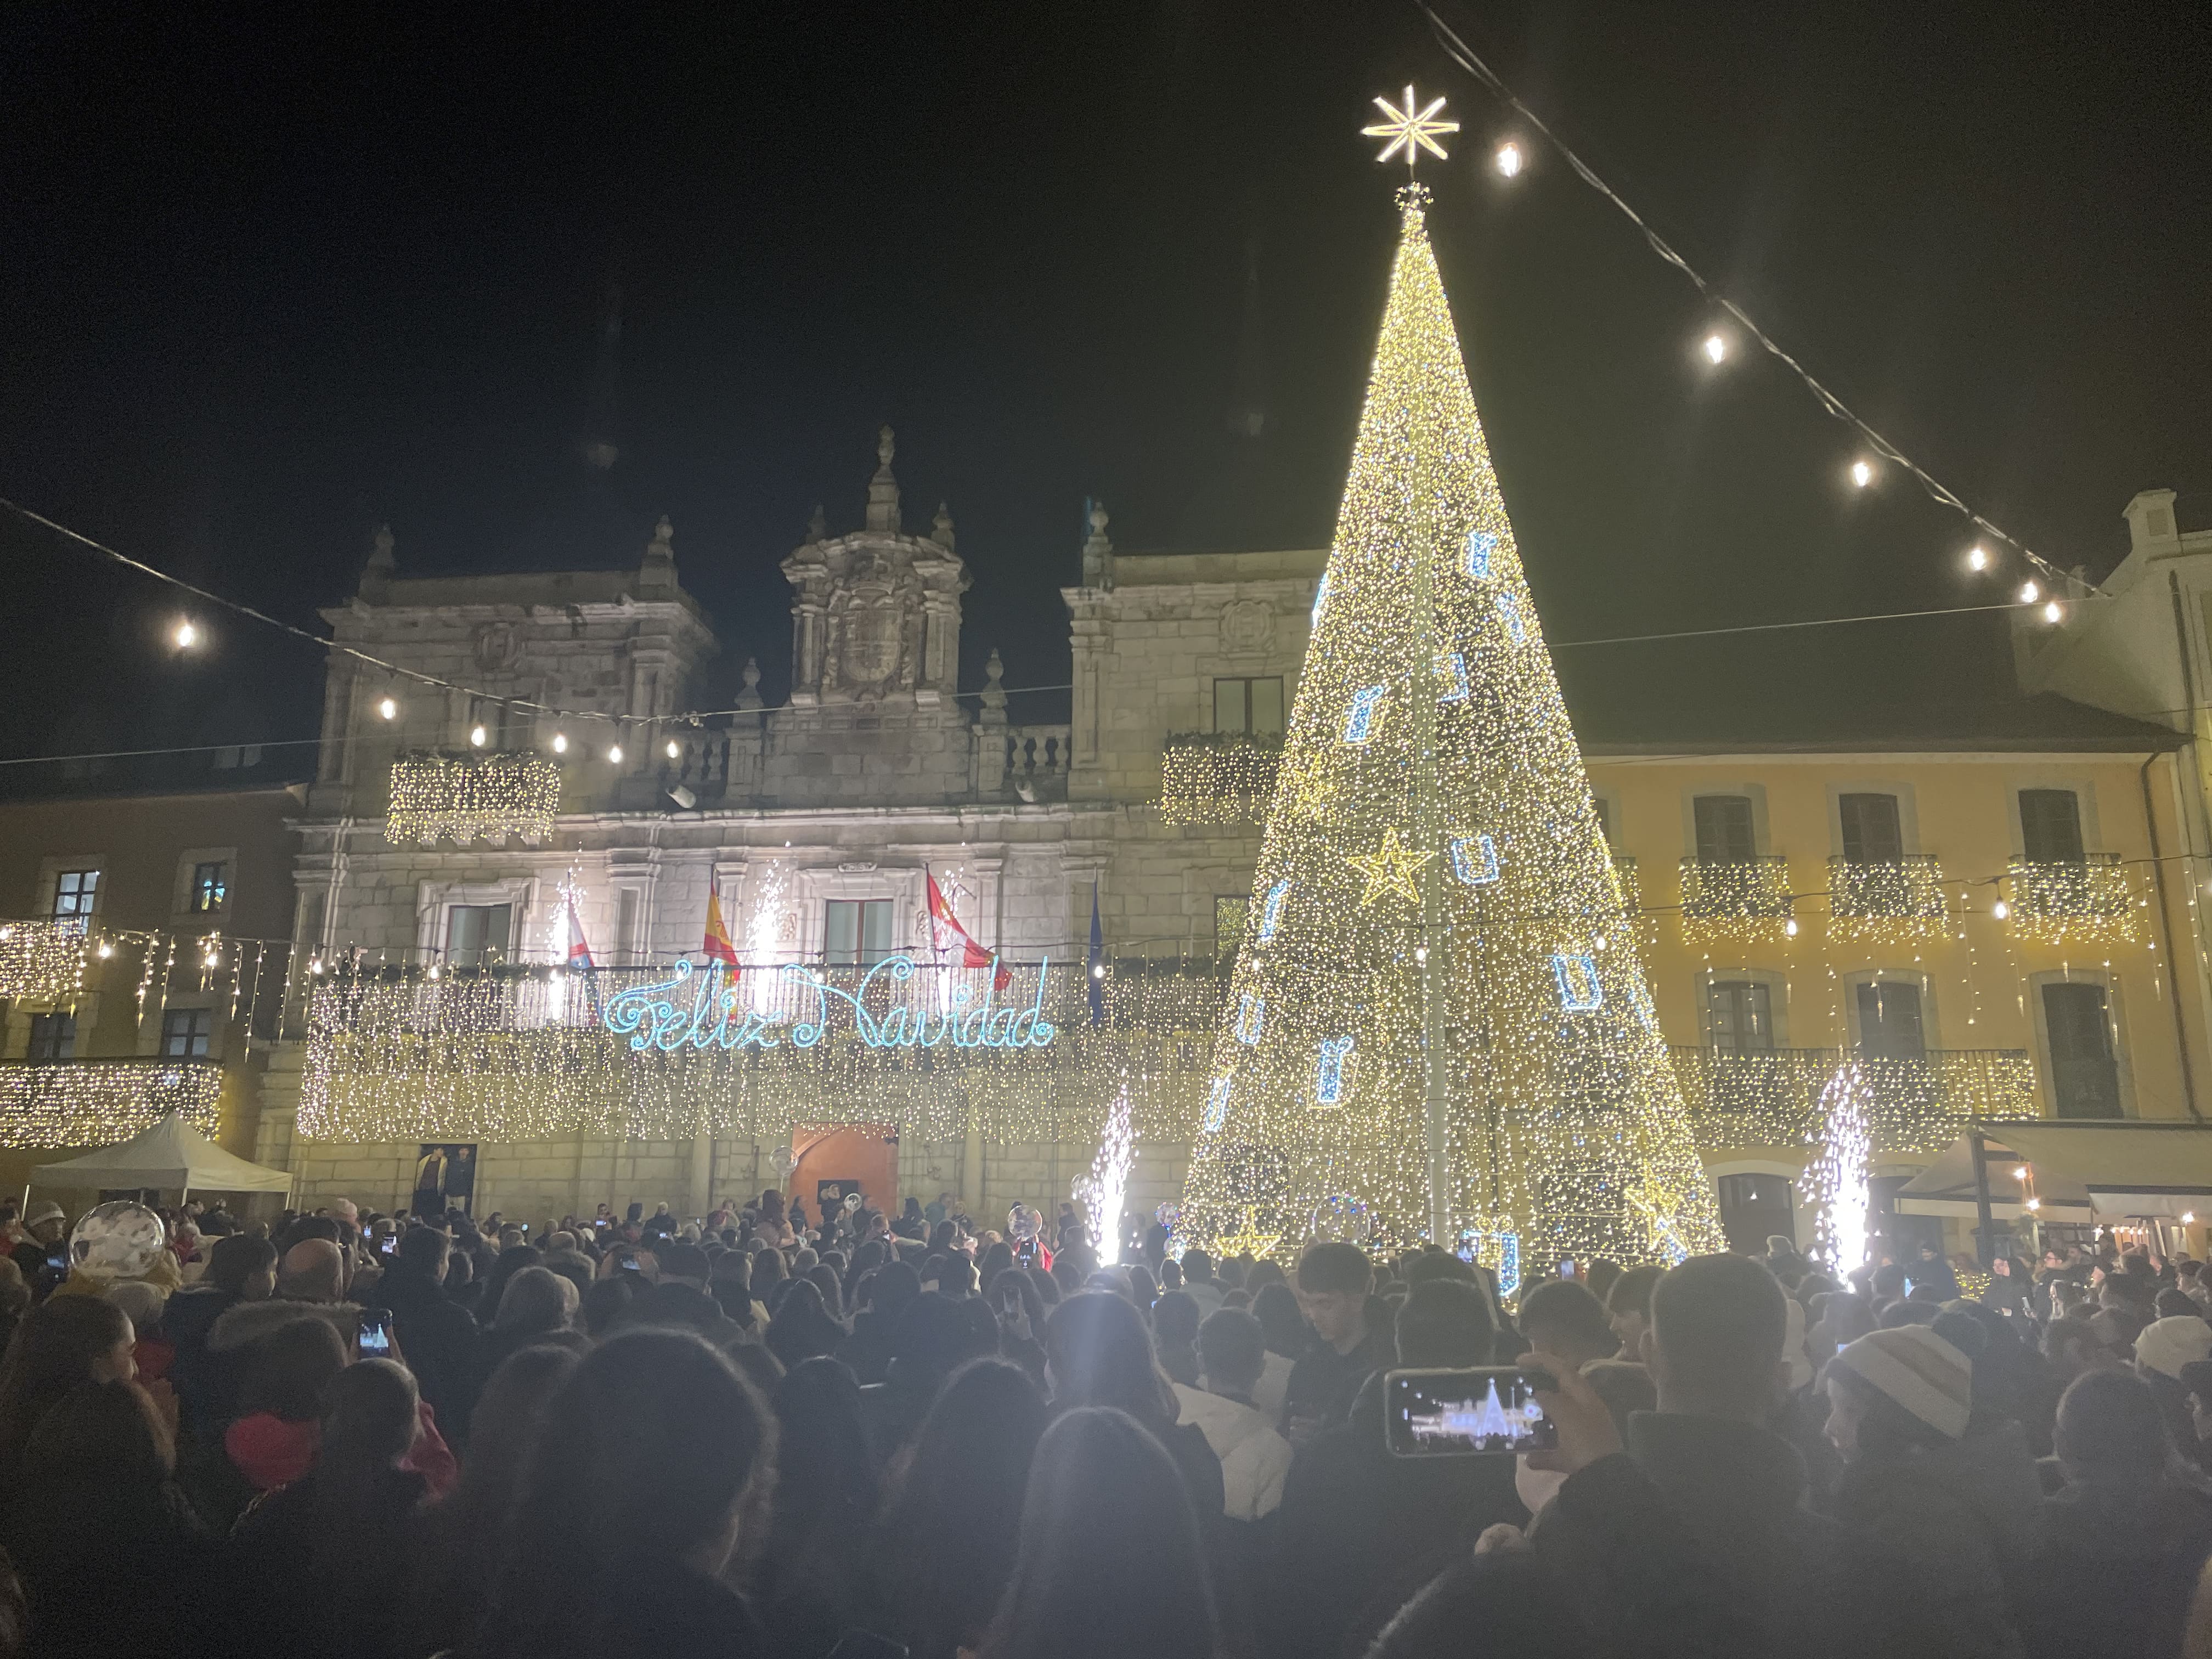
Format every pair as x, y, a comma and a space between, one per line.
856, 932
477, 934
184, 1033
1230, 911
1739, 1015
74, 891
2085, 1077
54, 1036
1724, 830
2050, 826
1872, 830
1248, 705
210, 888
1889, 1020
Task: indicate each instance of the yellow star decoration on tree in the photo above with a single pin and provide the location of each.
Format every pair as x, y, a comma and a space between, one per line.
1410, 132
1249, 1240
1392, 867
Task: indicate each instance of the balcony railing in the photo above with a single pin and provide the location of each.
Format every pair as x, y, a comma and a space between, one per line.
1918, 1105
1036, 758
2091, 902
96, 1102
491, 796
1735, 898
1218, 777
1888, 899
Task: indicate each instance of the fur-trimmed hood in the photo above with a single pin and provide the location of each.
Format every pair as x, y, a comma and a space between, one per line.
249, 1322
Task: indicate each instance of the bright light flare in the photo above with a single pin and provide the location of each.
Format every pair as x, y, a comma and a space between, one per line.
1861, 473
187, 635
1509, 160
388, 709
1716, 347
1978, 559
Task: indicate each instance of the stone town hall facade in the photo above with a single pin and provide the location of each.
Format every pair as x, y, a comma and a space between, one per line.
813, 823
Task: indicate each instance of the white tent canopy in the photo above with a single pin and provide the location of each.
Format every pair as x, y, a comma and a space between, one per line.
171, 1154
2079, 1172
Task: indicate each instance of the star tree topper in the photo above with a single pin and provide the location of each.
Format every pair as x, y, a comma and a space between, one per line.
1410, 132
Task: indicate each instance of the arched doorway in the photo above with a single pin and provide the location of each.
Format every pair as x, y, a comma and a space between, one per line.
866, 1152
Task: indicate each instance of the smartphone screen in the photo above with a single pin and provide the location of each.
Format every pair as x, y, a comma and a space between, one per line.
387, 1247
1567, 1269
1483, 1410
632, 1264
375, 1337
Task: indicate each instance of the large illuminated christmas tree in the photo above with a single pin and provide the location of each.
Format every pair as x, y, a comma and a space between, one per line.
1438, 1025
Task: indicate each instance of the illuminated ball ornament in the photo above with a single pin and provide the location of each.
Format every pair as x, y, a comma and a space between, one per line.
116, 1240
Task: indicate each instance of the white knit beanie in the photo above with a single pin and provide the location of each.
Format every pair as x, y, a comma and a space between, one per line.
2166, 1344
1919, 1371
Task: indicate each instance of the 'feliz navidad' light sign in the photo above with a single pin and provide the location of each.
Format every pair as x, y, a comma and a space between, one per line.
657, 1016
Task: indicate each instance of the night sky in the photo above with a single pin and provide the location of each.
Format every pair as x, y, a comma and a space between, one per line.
268, 280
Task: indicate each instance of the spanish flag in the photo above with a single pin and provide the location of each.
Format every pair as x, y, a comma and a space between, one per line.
717, 947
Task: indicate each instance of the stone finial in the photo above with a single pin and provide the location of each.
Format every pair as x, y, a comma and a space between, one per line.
657, 567
818, 524
381, 564
941, 532
994, 689
750, 696
1097, 550
883, 489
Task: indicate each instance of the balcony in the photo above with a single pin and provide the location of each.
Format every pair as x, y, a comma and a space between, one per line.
2089, 902
1035, 763
1887, 901
490, 795
1735, 898
1218, 777
96, 1102
1918, 1105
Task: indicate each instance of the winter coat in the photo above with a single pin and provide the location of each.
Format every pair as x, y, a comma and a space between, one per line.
204, 1382
1255, 1458
438, 1339
1939, 1542
1274, 1386
342, 1597
2118, 1566
1741, 1490
1361, 1530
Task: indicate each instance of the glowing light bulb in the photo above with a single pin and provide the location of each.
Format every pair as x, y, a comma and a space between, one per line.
2188, 1217
614, 754
388, 708
107, 950
1420, 953
477, 735
2054, 612
1789, 927
1098, 971
1510, 160
187, 636
1978, 559
434, 970
673, 750
2034, 1203
2019, 1172
2000, 909
315, 966
1861, 473
1716, 347
560, 743
2029, 592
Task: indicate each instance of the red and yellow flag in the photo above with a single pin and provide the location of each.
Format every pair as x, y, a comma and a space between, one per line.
717, 947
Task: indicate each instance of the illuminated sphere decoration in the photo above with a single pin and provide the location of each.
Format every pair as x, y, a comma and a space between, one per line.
1432, 799
117, 1240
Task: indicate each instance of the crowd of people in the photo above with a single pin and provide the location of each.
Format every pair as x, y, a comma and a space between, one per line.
753, 1434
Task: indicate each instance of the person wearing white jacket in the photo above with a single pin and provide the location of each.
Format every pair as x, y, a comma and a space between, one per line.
1231, 1356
